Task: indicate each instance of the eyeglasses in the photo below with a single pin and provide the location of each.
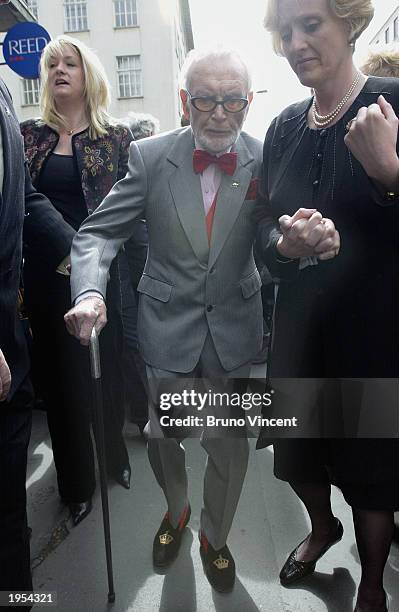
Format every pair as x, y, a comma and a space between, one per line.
207, 104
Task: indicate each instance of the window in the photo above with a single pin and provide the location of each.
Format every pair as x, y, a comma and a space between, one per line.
396, 28
75, 15
30, 89
129, 76
387, 35
125, 13
32, 6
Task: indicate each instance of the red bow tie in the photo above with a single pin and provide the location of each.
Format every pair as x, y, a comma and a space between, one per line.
226, 162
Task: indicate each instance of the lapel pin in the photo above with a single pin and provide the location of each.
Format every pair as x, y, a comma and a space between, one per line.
235, 184
7, 110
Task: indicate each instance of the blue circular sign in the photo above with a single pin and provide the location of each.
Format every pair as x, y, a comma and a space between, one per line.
23, 46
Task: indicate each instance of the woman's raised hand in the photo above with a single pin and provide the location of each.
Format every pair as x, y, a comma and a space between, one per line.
372, 138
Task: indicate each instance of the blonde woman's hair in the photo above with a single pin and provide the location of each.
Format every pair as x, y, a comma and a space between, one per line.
96, 90
382, 63
356, 13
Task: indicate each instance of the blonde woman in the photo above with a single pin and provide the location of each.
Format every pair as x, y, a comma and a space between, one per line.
76, 152
331, 161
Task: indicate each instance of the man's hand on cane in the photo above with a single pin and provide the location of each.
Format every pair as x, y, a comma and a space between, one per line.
88, 313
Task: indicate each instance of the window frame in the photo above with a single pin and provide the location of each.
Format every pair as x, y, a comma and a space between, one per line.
69, 20
132, 81
126, 13
33, 91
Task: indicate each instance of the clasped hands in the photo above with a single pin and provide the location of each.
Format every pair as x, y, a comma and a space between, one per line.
308, 234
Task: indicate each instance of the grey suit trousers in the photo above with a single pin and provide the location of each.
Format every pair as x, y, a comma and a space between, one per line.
227, 449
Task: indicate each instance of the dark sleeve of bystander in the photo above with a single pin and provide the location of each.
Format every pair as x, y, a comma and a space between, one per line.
45, 232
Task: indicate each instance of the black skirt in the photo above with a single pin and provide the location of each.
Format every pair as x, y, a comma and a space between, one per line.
365, 470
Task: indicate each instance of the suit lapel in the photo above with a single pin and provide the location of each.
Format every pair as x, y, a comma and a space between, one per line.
185, 187
231, 196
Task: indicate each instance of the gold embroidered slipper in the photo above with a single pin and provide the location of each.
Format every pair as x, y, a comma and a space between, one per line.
167, 539
219, 566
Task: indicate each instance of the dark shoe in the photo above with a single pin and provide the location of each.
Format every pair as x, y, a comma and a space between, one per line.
396, 534
167, 539
79, 510
294, 570
219, 566
123, 477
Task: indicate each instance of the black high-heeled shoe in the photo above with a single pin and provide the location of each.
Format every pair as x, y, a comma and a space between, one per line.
79, 511
123, 476
294, 570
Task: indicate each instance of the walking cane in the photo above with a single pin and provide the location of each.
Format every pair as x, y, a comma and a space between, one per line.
100, 447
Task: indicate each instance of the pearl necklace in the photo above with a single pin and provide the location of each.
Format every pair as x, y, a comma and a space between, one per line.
321, 121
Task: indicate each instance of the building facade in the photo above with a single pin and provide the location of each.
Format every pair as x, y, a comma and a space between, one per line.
141, 43
13, 12
389, 32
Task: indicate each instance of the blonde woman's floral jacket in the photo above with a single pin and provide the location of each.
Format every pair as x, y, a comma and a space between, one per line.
101, 162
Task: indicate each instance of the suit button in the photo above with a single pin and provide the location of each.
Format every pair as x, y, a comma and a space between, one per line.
90, 211
209, 308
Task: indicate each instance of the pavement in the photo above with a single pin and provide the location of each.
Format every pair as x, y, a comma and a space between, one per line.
269, 522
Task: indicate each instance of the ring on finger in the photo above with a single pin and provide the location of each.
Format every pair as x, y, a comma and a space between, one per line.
349, 124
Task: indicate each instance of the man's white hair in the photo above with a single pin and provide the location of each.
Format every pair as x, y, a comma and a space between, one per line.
195, 56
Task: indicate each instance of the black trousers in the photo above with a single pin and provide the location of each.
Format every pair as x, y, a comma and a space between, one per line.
62, 367
15, 429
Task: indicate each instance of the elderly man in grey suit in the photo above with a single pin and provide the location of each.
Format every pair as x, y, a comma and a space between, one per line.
200, 311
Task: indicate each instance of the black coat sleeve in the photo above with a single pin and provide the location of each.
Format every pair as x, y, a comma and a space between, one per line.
268, 229
46, 234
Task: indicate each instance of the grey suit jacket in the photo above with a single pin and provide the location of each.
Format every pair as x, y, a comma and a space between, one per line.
188, 286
